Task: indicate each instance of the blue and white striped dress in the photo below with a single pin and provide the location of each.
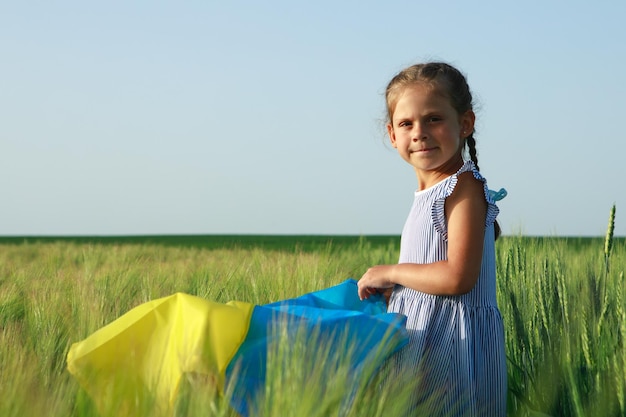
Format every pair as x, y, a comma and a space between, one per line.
456, 343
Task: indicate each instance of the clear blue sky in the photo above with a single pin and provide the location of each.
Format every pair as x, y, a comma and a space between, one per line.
247, 117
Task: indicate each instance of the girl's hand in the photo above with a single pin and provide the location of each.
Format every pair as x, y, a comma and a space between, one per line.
375, 280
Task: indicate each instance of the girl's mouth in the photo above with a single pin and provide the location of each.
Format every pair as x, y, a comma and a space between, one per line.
424, 150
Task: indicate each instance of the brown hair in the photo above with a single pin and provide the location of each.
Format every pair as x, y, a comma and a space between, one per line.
446, 80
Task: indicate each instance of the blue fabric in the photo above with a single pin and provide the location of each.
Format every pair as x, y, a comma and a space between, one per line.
334, 316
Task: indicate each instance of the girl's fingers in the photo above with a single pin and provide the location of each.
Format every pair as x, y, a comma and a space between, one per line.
363, 292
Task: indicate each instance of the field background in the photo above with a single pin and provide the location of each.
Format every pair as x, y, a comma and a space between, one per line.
562, 300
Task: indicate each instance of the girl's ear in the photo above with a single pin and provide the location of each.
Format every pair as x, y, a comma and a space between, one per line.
392, 135
467, 123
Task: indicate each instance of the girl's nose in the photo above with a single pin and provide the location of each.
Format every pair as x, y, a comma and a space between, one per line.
418, 133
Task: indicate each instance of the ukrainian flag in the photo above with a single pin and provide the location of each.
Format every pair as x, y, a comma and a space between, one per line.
138, 360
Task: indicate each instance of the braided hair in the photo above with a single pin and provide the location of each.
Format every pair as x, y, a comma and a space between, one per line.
450, 82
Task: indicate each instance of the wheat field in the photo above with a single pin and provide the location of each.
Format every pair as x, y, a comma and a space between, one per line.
562, 300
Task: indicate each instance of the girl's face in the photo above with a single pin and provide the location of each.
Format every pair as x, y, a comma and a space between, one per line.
427, 131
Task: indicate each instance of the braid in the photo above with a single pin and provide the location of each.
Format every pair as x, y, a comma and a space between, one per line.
471, 145
497, 231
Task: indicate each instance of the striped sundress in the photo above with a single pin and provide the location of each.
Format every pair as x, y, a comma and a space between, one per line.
456, 352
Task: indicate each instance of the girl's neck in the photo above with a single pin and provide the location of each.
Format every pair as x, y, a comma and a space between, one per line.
426, 179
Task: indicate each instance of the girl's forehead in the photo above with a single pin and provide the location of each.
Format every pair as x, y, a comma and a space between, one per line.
420, 88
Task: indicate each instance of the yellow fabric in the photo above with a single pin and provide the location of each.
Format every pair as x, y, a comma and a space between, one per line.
138, 360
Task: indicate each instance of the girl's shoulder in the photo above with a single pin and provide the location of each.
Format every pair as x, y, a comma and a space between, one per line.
470, 167
468, 176
470, 182
444, 187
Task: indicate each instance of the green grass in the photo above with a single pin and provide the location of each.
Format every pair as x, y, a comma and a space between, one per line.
564, 313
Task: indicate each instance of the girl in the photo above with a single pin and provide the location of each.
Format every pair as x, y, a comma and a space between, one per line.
445, 279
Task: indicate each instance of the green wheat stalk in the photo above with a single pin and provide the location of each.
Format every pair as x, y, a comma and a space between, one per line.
608, 241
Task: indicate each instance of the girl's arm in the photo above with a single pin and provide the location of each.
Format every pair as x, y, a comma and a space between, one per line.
465, 211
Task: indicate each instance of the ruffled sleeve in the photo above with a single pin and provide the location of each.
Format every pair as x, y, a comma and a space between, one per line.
438, 212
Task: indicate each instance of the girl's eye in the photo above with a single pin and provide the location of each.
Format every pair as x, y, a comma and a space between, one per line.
404, 124
434, 119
